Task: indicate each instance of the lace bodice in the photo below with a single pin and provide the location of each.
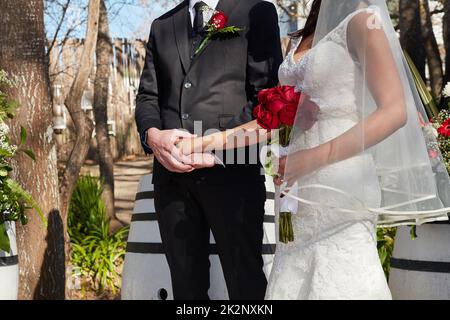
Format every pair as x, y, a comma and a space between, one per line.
311, 75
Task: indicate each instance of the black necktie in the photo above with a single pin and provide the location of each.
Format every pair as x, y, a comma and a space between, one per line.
197, 34
198, 20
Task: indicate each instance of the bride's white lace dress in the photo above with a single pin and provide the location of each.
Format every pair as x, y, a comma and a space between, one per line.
334, 255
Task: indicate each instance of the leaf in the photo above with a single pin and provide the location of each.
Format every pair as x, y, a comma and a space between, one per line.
4, 239
5, 153
23, 219
30, 154
23, 135
16, 188
231, 29
413, 233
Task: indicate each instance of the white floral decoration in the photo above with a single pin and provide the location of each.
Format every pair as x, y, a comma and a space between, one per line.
446, 91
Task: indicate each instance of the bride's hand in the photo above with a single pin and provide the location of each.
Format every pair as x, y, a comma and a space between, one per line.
301, 163
193, 145
279, 179
192, 148
202, 160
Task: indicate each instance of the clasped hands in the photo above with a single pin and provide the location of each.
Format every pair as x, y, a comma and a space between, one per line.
182, 152
174, 156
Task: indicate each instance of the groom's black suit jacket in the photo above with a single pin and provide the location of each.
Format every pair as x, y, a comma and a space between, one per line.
218, 86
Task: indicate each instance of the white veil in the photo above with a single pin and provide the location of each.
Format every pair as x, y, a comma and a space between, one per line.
357, 74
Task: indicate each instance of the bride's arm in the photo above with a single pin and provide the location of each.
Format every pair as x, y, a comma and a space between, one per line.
247, 134
244, 135
372, 48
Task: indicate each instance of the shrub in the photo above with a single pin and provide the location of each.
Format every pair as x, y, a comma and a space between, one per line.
97, 253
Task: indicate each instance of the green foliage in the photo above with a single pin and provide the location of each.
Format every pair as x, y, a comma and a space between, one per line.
7, 107
14, 200
386, 237
230, 29
97, 253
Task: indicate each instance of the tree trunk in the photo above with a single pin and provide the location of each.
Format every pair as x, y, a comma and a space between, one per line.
22, 54
101, 87
83, 125
411, 34
446, 27
432, 49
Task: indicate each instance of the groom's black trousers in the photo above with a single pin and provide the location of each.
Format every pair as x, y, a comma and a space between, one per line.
188, 206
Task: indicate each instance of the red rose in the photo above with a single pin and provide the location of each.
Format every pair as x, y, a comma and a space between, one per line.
275, 104
289, 112
445, 128
263, 95
268, 95
289, 95
219, 20
256, 111
287, 115
265, 118
308, 113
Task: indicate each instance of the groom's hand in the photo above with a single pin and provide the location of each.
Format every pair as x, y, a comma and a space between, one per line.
163, 145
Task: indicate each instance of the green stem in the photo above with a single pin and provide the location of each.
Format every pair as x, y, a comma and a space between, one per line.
202, 45
291, 229
285, 133
286, 230
280, 228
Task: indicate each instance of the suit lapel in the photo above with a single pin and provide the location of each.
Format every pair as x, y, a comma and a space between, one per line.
181, 28
227, 7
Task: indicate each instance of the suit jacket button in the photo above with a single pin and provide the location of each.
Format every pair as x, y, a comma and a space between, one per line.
185, 116
188, 85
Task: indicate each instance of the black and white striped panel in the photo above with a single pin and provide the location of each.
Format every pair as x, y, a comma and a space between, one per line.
6, 261
420, 268
9, 268
145, 238
146, 273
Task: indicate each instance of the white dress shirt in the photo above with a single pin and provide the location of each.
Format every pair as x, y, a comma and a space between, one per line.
212, 4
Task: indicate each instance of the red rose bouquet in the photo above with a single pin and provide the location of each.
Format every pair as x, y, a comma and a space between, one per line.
279, 108
215, 28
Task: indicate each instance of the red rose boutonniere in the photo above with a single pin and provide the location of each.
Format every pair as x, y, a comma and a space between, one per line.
216, 27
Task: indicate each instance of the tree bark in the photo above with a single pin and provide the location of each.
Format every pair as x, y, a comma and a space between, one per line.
446, 27
411, 33
83, 125
101, 89
22, 54
432, 49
